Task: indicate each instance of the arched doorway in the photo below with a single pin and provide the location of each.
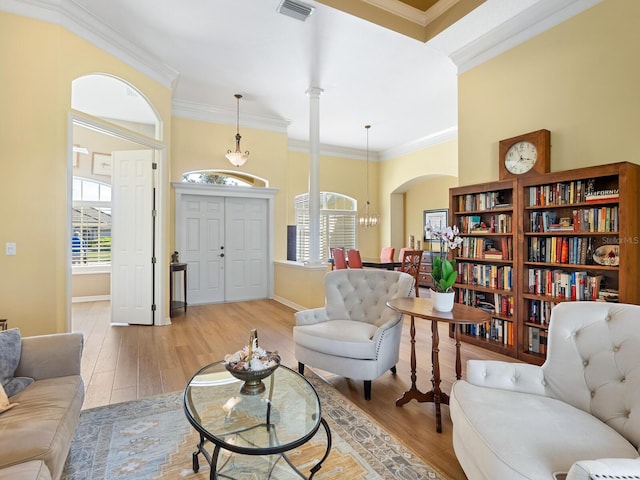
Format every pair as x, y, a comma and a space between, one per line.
121, 135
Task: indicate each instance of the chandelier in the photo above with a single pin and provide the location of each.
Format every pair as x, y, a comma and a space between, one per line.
367, 217
237, 158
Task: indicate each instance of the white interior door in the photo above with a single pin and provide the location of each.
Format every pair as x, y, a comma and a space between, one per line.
247, 240
132, 237
202, 248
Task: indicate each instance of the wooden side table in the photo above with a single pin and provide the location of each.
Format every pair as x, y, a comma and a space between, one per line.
3, 323
423, 308
177, 304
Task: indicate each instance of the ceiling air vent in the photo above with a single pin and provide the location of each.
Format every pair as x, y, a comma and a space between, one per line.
297, 10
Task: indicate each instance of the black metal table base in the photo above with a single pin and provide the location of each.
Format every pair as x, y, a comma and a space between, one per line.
212, 460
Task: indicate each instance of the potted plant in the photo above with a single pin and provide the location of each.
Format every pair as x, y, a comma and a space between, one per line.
443, 270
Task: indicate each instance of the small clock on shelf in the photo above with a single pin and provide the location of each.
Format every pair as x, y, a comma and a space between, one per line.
526, 154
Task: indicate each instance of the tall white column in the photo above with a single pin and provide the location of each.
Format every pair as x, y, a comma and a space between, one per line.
314, 174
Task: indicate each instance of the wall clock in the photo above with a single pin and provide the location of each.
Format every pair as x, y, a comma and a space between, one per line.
526, 154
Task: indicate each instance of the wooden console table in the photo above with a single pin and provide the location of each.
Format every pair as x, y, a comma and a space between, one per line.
176, 304
423, 308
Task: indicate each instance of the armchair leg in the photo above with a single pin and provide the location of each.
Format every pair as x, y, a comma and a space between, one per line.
393, 370
367, 389
301, 368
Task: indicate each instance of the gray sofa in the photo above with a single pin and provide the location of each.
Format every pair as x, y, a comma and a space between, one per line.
575, 417
35, 435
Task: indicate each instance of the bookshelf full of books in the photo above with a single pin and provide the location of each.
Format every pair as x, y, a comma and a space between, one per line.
485, 261
533, 242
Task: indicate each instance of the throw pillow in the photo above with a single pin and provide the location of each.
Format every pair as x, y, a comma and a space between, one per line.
10, 350
4, 401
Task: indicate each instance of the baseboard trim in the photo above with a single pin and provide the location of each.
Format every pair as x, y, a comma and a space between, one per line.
91, 298
286, 302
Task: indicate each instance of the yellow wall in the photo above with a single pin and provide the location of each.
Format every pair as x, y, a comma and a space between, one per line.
412, 183
39, 61
580, 80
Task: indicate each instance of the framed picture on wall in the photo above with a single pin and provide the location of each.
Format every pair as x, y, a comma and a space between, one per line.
437, 219
101, 164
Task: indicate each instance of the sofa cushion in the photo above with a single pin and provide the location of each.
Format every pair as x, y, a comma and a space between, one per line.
10, 349
506, 434
35, 470
338, 337
42, 425
5, 404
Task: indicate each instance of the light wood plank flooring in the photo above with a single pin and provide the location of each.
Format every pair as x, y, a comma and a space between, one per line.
131, 362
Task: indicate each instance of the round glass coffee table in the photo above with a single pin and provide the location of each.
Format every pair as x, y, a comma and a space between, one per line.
286, 415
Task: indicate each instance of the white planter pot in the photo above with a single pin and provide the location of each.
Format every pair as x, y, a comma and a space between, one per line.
443, 302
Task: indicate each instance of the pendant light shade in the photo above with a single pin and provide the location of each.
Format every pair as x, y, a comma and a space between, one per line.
367, 217
237, 158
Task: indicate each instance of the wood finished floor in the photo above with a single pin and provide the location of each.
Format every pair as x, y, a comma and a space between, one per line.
123, 363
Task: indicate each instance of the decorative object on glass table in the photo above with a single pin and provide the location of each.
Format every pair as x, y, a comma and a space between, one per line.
252, 364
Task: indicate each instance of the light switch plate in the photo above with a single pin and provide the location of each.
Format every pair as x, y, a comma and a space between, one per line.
10, 248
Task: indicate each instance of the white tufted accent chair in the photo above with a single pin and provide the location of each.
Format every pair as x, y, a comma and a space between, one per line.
355, 334
575, 417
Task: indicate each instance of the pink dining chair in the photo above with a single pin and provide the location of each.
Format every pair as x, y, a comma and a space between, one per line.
339, 260
387, 254
355, 261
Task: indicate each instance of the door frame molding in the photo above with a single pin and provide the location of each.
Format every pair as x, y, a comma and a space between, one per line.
203, 189
162, 263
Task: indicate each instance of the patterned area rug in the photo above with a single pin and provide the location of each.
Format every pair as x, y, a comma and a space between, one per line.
152, 439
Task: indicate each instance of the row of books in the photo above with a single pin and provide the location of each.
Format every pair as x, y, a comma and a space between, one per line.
540, 311
563, 285
487, 301
565, 193
601, 195
482, 201
487, 248
498, 330
538, 339
567, 250
489, 276
600, 219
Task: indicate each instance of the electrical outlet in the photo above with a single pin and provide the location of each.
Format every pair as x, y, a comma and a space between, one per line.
10, 248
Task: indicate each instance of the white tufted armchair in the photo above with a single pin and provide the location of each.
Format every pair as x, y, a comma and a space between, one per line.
355, 334
576, 417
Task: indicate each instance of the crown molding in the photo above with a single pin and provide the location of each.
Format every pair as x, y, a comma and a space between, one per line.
437, 138
539, 17
412, 14
442, 136
209, 113
77, 20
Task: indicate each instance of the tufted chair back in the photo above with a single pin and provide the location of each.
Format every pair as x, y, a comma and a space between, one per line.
593, 362
362, 294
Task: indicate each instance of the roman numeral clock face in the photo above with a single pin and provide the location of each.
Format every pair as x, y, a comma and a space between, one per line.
521, 157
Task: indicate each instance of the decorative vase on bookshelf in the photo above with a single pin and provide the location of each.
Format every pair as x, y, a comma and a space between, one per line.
442, 301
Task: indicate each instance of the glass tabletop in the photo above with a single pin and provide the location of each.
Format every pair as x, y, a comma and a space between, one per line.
284, 416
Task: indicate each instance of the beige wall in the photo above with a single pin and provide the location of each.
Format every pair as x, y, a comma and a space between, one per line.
580, 80
39, 61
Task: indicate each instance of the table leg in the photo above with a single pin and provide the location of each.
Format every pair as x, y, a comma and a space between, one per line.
437, 393
413, 392
458, 360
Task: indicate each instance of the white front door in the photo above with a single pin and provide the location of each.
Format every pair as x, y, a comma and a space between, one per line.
132, 237
202, 248
224, 242
246, 231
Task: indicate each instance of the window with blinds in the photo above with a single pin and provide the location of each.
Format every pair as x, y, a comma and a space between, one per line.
338, 221
91, 223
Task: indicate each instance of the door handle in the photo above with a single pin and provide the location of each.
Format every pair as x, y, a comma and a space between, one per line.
222, 255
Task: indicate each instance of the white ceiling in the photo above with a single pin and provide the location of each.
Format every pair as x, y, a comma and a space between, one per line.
208, 50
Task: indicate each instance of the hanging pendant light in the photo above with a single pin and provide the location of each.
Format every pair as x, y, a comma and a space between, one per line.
237, 158
368, 217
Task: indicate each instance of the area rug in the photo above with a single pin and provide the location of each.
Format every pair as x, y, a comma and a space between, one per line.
152, 439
